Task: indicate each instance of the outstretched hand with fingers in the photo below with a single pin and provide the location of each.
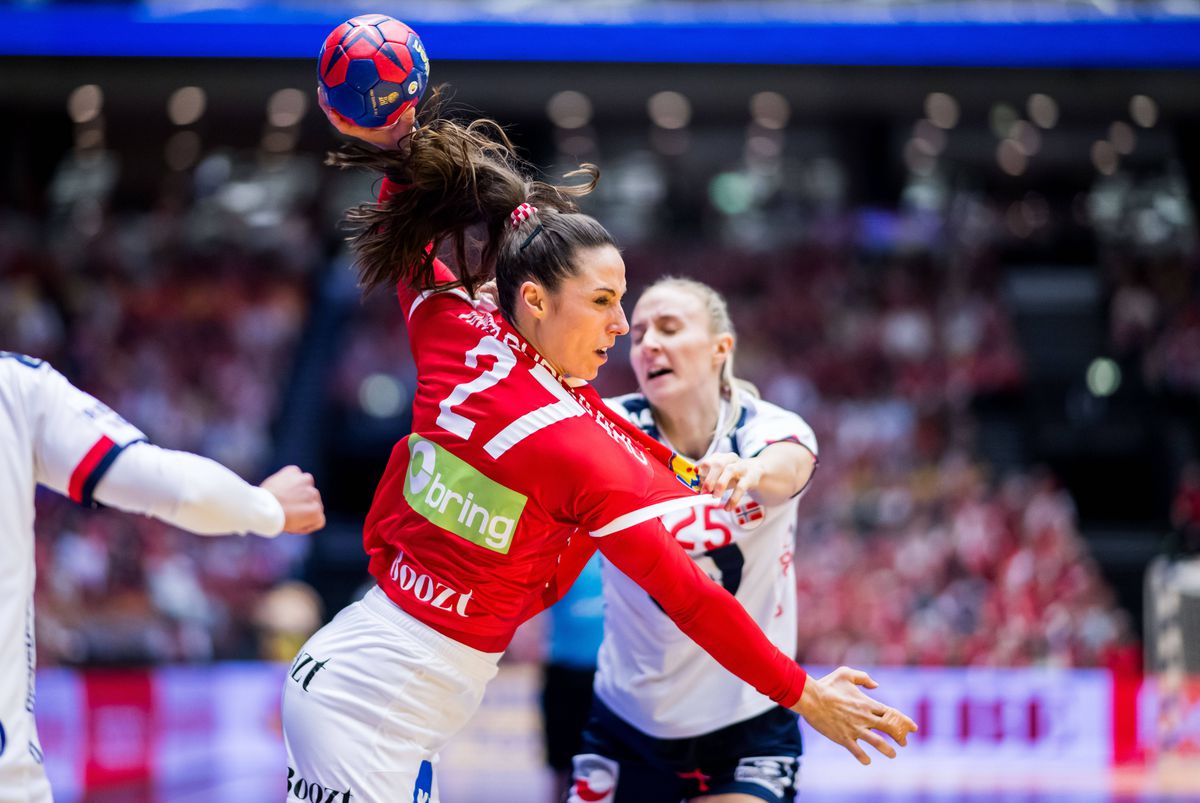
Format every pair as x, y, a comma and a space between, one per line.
726, 472
391, 137
840, 711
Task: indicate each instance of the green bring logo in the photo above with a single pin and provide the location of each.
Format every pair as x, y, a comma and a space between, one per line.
452, 495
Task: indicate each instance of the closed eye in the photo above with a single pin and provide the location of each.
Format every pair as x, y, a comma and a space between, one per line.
608, 300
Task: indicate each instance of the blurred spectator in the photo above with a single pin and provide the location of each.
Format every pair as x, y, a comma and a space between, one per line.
286, 616
1185, 510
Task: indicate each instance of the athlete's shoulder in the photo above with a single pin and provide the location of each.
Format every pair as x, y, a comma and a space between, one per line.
762, 423
25, 360
588, 447
23, 375
66, 412
445, 323
584, 438
759, 409
454, 301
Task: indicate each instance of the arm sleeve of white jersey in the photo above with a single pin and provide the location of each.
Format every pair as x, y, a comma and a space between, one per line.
768, 424
188, 491
84, 450
76, 438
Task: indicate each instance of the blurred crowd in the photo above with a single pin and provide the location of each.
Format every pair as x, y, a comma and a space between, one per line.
1154, 317
187, 318
187, 324
938, 565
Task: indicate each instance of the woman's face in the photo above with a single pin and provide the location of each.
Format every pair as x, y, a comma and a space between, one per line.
674, 354
582, 319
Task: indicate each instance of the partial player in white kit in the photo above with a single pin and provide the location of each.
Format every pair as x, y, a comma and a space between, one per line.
53, 434
668, 722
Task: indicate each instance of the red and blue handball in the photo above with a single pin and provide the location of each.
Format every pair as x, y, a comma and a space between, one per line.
373, 68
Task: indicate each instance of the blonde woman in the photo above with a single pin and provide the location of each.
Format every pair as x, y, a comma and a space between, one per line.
668, 723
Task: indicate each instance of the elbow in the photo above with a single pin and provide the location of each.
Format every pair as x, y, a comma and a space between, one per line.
803, 475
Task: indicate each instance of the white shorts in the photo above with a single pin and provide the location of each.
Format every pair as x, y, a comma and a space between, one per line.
370, 701
22, 777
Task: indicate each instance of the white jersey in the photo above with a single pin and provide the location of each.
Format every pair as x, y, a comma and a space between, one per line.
51, 434
649, 673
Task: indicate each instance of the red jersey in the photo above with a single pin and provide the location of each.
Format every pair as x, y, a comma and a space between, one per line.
510, 480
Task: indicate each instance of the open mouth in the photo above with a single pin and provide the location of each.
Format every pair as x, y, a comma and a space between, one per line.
657, 372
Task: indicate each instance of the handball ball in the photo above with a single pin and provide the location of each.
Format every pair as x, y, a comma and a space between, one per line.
373, 69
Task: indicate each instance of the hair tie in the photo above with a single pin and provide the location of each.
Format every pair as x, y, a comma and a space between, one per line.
522, 213
537, 230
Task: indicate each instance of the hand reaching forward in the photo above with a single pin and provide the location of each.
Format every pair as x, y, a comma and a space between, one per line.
303, 511
487, 296
839, 710
390, 137
727, 472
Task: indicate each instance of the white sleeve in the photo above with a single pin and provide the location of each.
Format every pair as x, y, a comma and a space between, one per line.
76, 437
766, 424
188, 491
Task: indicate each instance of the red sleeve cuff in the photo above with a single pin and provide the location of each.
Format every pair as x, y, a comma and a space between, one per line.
797, 689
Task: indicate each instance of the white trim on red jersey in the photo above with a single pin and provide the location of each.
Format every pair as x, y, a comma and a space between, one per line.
652, 512
457, 291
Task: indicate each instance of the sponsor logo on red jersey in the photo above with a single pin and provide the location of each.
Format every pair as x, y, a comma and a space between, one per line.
426, 589
450, 494
685, 471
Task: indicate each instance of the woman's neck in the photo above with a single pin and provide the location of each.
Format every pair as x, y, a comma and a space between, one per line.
689, 426
528, 331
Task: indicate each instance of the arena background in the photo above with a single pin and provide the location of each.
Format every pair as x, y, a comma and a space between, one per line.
959, 238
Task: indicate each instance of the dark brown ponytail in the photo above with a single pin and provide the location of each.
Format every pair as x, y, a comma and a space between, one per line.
461, 177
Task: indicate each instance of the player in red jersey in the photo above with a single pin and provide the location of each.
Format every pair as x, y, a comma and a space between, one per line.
514, 474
